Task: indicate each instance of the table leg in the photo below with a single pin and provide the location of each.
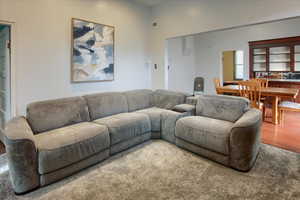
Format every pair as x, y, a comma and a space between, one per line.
275, 110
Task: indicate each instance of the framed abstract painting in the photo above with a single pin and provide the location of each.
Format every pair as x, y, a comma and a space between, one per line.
92, 52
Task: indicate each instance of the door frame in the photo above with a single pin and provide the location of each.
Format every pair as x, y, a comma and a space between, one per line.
13, 84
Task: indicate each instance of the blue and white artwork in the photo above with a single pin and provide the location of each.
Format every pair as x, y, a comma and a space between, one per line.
93, 52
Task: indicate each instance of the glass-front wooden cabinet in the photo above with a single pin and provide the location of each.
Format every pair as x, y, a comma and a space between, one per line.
297, 58
275, 55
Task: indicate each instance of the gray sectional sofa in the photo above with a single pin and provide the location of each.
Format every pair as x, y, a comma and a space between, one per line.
60, 137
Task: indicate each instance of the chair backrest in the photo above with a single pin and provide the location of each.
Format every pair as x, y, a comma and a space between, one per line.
198, 84
251, 90
264, 83
217, 83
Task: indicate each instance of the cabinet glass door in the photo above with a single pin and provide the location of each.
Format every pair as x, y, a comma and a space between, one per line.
259, 59
297, 57
280, 58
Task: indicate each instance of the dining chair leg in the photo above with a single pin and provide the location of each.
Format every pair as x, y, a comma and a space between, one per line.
275, 110
264, 113
281, 116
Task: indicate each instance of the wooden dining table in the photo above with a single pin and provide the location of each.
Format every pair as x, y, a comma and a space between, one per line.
274, 92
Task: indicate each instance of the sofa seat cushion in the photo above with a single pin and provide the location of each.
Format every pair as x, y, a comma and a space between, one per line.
209, 133
64, 146
125, 126
154, 114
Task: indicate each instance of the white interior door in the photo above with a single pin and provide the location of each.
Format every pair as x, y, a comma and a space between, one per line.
4, 75
181, 61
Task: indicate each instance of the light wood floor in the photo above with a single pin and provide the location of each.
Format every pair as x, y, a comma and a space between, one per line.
285, 135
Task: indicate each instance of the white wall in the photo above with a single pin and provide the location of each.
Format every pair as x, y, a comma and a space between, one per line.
178, 17
181, 60
43, 38
44, 41
209, 46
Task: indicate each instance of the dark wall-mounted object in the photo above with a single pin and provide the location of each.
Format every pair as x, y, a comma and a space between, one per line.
198, 85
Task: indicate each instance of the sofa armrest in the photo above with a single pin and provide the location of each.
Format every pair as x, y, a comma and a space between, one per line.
21, 155
168, 123
245, 140
182, 108
192, 100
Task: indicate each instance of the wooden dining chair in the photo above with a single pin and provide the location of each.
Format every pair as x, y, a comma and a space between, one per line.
267, 101
252, 90
287, 106
217, 83
264, 83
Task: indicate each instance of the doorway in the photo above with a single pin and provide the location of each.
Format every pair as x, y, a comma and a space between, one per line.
233, 66
5, 82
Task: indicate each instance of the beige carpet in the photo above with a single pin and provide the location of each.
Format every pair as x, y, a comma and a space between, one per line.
158, 170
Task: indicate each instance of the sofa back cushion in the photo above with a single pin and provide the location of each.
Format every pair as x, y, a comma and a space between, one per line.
47, 115
228, 108
138, 99
167, 99
106, 104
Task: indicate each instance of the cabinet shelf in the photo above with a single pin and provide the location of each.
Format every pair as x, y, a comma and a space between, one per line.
259, 54
283, 53
260, 62
280, 61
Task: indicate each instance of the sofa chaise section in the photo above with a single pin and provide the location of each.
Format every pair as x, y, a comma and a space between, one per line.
225, 130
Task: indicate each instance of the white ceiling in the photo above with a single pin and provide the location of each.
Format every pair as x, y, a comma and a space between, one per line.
150, 2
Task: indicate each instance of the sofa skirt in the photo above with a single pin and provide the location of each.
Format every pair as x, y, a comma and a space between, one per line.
155, 135
54, 176
121, 146
220, 158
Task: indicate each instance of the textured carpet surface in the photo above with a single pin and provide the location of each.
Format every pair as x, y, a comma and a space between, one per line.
158, 170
